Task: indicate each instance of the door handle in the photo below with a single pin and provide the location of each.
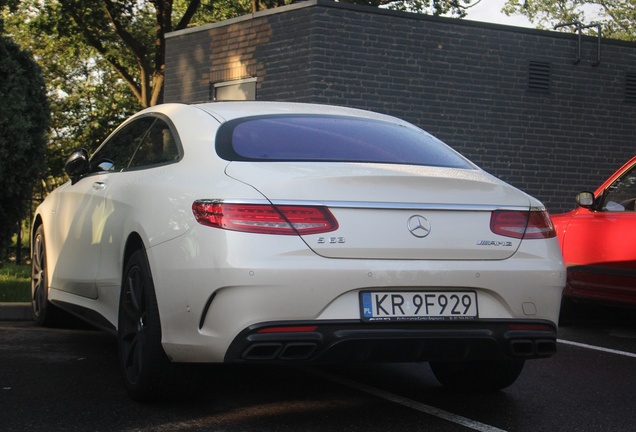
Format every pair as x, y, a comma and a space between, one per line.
99, 185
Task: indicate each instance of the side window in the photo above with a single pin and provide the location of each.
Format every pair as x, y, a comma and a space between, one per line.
116, 153
621, 195
157, 147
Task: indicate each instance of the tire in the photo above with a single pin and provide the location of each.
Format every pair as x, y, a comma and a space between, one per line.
570, 312
480, 376
148, 373
44, 313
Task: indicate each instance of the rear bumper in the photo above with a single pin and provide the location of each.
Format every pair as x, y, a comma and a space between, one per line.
353, 341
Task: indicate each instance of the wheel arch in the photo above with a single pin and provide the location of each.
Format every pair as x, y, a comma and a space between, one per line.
133, 244
37, 221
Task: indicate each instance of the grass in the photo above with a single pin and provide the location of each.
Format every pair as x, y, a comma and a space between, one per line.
15, 283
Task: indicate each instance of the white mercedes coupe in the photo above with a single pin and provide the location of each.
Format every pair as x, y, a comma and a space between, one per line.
263, 232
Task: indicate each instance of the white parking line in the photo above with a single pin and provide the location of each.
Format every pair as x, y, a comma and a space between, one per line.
596, 348
409, 403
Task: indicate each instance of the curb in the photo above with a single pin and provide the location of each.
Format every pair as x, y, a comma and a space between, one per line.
15, 312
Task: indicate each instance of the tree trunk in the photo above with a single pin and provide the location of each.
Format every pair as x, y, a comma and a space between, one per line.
18, 247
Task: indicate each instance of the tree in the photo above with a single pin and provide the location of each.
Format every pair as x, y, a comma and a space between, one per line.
24, 121
616, 17
87, 98
455, 8
128, 34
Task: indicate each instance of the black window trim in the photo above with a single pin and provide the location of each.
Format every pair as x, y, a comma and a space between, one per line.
155, 116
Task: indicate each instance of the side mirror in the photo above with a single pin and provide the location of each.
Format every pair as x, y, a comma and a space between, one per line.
585, 199
77, 165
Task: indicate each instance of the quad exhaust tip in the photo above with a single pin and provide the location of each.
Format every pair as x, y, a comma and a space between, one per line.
533, 348
280, 351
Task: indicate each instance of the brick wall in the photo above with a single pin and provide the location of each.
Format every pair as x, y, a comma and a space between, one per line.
510, 99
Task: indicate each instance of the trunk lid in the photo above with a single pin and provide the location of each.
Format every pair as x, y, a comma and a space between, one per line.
393, 211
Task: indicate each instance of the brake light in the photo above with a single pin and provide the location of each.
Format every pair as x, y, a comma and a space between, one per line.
264, 218
533, 224
289, 329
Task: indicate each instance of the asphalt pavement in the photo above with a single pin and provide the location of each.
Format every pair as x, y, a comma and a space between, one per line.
68, 379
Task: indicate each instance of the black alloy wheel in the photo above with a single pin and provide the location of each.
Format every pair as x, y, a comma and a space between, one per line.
148, 373
44, 313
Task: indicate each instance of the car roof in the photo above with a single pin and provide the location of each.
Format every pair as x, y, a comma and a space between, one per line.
225, 111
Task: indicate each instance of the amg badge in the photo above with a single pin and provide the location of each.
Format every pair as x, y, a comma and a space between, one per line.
494, 243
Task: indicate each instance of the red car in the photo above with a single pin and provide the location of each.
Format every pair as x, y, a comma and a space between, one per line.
598, 241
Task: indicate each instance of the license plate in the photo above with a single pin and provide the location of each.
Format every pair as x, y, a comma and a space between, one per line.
418, 306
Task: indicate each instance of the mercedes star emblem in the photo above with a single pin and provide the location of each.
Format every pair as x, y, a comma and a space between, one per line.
419, 226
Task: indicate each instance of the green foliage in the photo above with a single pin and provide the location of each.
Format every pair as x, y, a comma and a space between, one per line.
129, 35
456, 8
617, 17
213, 10
87, 97
24, 121
120, 33
15, 283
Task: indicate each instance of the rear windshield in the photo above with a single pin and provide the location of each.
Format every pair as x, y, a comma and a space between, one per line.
331, 139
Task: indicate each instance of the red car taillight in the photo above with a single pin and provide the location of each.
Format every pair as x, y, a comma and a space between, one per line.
264, 218
534, 224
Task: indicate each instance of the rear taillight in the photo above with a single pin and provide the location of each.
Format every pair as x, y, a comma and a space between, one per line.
533, 224
264, 218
